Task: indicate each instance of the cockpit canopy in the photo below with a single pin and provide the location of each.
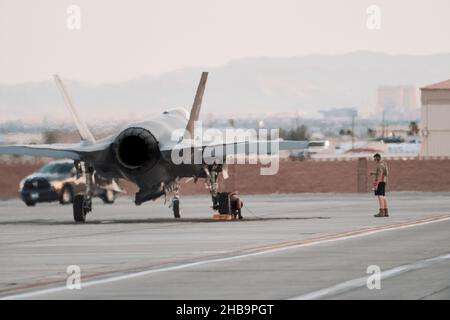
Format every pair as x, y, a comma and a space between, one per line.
178, 112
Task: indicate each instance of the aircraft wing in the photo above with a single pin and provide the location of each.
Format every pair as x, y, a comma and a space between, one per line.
252, 147
77, 151
223, 150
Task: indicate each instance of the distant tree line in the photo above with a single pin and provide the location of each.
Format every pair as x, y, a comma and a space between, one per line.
299, 133
51, 136
345, 132
413, 130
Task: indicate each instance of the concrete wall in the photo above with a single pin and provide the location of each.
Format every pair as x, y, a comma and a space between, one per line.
335, 176
294, 177
10, 175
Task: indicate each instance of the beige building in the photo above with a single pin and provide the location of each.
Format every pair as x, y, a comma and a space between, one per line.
435, 122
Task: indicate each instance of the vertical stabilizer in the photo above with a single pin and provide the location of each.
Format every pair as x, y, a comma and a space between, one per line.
83, 129
196, 106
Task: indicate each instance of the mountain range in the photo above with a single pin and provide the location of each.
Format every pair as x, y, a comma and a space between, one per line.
251, 86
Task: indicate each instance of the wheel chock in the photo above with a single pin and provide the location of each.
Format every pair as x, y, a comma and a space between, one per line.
223, 217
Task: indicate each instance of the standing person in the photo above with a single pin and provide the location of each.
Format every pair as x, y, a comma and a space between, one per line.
379, 185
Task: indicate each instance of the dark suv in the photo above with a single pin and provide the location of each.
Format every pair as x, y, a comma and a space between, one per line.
57, 181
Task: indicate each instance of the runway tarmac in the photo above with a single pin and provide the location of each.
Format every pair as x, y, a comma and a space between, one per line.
297, 246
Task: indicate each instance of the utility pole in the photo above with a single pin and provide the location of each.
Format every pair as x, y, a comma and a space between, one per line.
353, 131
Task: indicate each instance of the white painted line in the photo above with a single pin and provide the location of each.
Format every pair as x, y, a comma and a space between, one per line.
361, 282
27, 295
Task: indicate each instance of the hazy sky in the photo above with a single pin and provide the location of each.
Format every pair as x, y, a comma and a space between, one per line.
120, 40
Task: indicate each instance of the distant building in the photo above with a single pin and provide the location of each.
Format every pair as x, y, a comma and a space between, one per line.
339, 113
398, 102
435, 121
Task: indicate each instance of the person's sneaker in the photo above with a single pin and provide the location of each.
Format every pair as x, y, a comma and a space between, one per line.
386, 214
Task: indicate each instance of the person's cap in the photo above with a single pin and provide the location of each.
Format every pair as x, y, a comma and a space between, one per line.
377, 156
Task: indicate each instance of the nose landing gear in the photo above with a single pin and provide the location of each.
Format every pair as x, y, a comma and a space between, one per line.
228, 204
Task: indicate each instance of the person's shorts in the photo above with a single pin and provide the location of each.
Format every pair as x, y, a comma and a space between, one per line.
381, 189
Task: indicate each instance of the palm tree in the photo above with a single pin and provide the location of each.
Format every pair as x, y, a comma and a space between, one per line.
413, 128
371, 133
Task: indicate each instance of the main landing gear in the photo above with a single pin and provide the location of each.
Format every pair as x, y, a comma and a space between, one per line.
228, 204
174, 189
176, 207
82, 203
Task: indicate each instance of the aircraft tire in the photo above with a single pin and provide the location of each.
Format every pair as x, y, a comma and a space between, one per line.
108, 197
79, 211
176, 208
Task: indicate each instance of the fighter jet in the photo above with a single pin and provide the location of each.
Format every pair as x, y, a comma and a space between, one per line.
143, 154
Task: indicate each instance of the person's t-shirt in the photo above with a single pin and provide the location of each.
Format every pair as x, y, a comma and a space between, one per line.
382, 170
